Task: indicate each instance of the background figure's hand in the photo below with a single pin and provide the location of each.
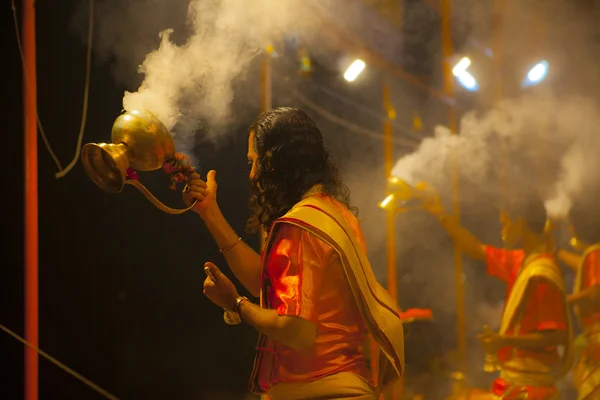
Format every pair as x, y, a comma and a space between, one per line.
433, 204
491, 342
221, 290
204, 192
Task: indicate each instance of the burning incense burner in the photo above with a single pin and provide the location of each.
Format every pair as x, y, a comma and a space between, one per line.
140, 142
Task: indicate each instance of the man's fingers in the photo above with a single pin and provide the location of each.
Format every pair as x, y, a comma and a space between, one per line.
211, 176
195, 195
213, 269
209, 274
194, 176
208, 284
197, 182
198, 189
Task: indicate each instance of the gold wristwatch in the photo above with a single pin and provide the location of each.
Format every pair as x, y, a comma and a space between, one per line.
233, 317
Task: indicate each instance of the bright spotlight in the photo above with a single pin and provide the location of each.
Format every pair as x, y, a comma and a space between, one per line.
468, 81
461, 66
354, 70
386, 202
536, 74
465, 79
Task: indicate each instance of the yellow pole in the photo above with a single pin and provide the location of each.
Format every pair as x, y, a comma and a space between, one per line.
447, 52
265, 80
265, 102
388, 156
265, 105
498, 9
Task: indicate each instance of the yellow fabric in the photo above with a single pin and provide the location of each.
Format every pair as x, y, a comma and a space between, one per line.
343, 385
538, 268
527, 372
586, 377
579, 280
377, 307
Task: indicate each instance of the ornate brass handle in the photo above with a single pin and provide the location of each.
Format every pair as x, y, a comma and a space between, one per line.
156, 202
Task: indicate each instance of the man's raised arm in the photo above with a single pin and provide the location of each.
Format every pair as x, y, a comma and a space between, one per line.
465, 240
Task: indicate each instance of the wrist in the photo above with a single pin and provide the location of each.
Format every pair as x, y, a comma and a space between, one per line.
237, 304
210, 214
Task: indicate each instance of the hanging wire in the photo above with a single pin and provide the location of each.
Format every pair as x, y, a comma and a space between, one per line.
62, 172
406, 143
86, 91
62, 366
365, 109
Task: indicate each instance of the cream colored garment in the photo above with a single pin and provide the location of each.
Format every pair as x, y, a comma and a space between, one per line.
340, 386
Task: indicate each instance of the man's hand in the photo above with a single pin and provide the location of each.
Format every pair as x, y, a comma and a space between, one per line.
491, 342
204, 192
218, 288
433, 204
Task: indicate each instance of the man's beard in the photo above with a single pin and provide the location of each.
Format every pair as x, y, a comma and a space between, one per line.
255, 188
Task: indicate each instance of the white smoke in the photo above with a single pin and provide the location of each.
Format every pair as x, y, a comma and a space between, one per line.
192, 82
579, 167
545, 144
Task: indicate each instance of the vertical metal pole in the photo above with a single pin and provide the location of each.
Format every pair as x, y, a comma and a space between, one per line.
265, 80
388, 156
265, 102
498, 9
265, 105
31, 199
447, 52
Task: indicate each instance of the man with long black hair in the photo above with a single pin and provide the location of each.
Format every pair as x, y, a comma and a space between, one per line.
318, 294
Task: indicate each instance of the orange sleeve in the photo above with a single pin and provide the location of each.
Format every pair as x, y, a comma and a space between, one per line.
298, 260
591, 271
503, 264
548, 310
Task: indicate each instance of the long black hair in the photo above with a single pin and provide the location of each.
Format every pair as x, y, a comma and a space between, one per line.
291, 160
585, 219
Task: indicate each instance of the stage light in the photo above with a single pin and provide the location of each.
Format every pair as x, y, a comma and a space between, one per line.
536, 74
461, 66
468, 81
463, 77
354, 70
387, 202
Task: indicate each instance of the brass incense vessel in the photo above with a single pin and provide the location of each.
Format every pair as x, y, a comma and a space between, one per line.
140, 142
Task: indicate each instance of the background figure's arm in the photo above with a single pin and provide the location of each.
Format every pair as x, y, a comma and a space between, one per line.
243, 261
589, 295
572, 260
536, 341
465, 240
296, 333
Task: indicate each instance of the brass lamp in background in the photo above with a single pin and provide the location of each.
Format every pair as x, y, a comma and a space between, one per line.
403, 196
140, 142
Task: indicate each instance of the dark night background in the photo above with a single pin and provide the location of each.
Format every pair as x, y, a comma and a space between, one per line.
121, 282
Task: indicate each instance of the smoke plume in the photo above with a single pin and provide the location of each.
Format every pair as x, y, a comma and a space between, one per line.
190, 79
543, 145
194, 81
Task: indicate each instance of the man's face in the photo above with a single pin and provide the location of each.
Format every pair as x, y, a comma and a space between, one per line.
252, 155
512, 231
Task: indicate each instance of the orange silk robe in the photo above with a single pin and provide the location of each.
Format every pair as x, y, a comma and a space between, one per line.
304, 278
591, 277
542, 312
587, 370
